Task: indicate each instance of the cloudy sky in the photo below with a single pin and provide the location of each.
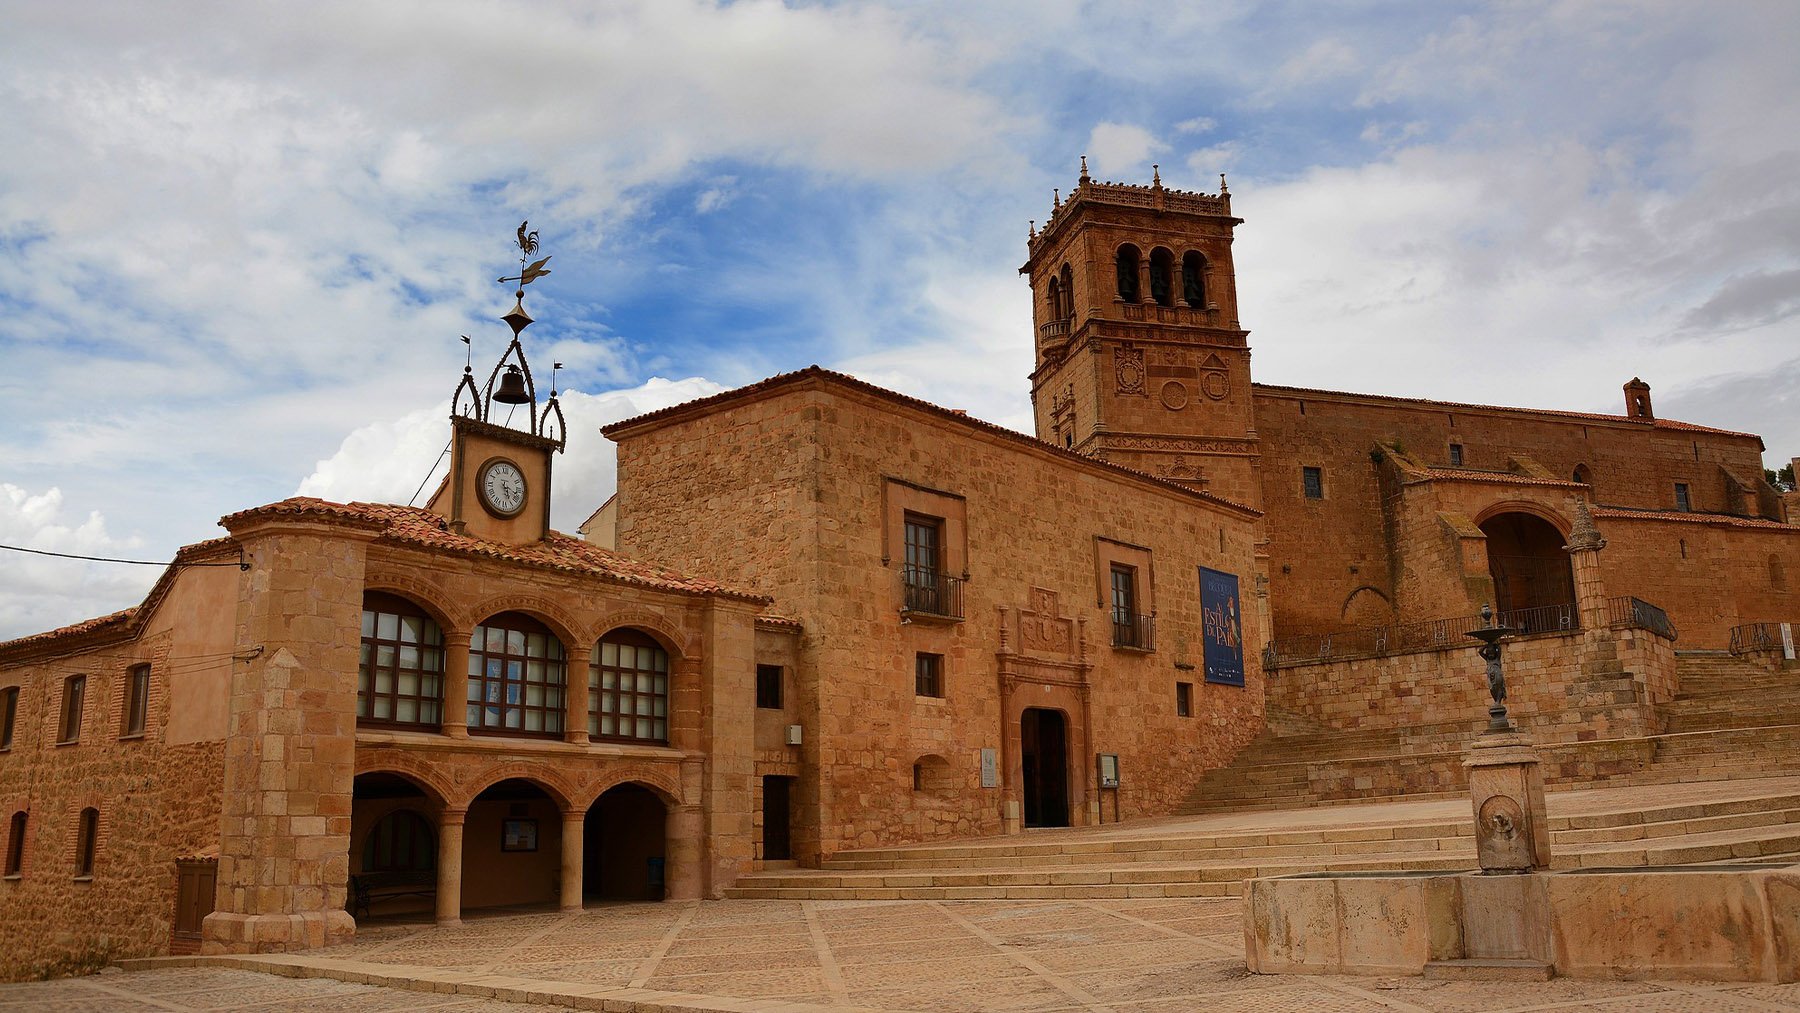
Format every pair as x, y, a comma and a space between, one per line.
238, 241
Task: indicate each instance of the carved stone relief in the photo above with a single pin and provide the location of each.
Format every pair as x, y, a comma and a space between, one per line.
1128, 369
1042, 630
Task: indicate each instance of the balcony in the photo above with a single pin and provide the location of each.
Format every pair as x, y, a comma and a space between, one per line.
1134, 632
931, 594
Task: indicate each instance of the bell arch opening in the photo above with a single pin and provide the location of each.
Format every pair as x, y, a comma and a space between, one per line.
1527, 561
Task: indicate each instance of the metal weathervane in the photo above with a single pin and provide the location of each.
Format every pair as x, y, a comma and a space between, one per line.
512, 371
528, 247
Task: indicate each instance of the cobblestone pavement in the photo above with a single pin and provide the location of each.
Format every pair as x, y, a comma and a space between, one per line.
1117, 956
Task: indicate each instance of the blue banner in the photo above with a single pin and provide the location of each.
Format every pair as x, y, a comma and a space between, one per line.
1222, 627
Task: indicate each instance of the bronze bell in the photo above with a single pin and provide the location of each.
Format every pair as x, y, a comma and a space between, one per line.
512, 388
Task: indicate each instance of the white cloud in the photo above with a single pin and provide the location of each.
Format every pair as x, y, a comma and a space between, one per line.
1197, 125
1120, 151
42, 592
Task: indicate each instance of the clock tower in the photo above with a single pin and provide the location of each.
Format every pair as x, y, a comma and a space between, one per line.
1140, 357
499, 482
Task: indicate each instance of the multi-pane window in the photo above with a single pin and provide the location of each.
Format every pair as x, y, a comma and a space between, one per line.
928, 674
516, 677
15, 844
401, 676
1456, 454
86, 838
9, 715
1681, 497
74, 696
137, 700
400, 842
1124, 605
1184, 699
628, 688
1312, 482
768, 687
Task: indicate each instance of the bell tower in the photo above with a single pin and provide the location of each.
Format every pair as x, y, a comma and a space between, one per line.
1140, 357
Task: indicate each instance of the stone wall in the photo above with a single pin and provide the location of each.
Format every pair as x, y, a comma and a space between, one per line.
1709, 574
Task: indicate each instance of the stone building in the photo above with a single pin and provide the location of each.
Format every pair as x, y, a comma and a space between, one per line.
819, 615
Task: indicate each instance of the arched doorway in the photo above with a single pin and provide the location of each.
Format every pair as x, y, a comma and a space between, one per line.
393, 847
625, 845
512, 846
1044, 762
1528, 564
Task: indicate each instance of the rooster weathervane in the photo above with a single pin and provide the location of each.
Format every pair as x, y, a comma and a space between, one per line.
528, 245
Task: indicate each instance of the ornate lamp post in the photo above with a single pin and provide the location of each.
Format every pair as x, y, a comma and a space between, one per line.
1490, 635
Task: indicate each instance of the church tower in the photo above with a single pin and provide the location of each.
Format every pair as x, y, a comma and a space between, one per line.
1140, 358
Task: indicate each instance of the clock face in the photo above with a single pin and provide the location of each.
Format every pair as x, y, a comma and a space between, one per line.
502, 487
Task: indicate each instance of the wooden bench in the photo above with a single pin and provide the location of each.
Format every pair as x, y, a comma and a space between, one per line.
369, 887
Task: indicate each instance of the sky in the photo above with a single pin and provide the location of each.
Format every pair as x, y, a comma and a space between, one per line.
239, 241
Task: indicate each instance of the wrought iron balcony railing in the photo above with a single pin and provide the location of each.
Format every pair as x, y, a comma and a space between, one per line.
1134, 631
931, 592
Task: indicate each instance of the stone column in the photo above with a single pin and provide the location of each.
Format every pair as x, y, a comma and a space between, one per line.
1584, 548
290, 735
684, 704
727, 697
455, 720
686, 868
575, 701
574, 825
1144, 295
449, 866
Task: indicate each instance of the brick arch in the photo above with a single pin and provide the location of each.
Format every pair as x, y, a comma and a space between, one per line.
542, 609
1524, 506
665, 633
428, 595
664, 785
554, 782
1364, 598
421, 773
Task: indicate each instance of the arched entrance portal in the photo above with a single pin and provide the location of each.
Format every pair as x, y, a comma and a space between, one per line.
1529, 567
1044, 759
393, 847
512, 846
625, 845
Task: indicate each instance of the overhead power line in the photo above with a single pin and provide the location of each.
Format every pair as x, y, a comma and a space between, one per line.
240, 564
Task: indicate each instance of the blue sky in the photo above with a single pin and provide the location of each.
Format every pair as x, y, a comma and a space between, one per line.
238, 243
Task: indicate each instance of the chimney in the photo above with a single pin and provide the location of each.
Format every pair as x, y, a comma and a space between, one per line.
1637, 401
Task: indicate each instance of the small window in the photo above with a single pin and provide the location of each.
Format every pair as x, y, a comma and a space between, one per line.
15, 844
1583, 475
918, 777
137, 700
768, 687
1184, 699
1312, 482
9, 715
928, 674
1681, 497
86, 837
74, 695
1456, 457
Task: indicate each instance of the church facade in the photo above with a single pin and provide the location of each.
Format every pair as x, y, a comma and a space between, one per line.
817, 615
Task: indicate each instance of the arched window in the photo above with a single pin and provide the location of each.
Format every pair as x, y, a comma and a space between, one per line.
401, 841
1583, 475
1128, 273
1777, 574
516, 677
1193, 279
15, 844
401, 677
1162, 277
1054, 299
1068, 293
86, 838
628, 688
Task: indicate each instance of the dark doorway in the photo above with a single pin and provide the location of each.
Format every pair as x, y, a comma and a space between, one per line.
777, 820
196, 882
1530, 570
624, 845
1044, 754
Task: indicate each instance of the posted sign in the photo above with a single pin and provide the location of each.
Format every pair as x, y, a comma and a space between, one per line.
1222, 627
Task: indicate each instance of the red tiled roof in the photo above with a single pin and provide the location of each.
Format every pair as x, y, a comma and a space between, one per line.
781, 622
420, 527
1499, 477
1671, 424
844, 379
1684, 517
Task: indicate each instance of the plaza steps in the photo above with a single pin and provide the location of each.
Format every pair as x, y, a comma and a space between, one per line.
1170, 859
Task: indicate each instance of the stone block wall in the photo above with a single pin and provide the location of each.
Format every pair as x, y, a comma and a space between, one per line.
1709, 574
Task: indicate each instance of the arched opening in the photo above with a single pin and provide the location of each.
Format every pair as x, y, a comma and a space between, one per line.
628, 688
1193, 279
1128, 273
625, 845
1530, 570
1777, 574
400, 678
393, 847
512, 846
516, 677
1068, 293
1367, 606
1053, 300
1044, 767
1583, 475
1162, 277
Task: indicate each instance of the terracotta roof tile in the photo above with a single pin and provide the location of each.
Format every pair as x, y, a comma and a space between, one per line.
1671, 424
420, 527
1499, 477
1686, 517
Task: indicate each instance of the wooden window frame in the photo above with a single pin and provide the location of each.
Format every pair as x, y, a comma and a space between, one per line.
17, 825
427, 647
9, 716
650, 663
928, 675
134, 710
769, 680
492, 692
74, 701
87, 842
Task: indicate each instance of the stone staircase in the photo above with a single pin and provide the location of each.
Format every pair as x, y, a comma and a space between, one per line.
1189, 858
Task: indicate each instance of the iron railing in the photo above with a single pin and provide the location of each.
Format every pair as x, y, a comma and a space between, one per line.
1755, 638
1133, 630
931, 592
1638, 614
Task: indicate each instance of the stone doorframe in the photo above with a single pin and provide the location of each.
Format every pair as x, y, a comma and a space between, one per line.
1042, 662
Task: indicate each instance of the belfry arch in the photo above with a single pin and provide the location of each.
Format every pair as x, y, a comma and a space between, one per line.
1527, 561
